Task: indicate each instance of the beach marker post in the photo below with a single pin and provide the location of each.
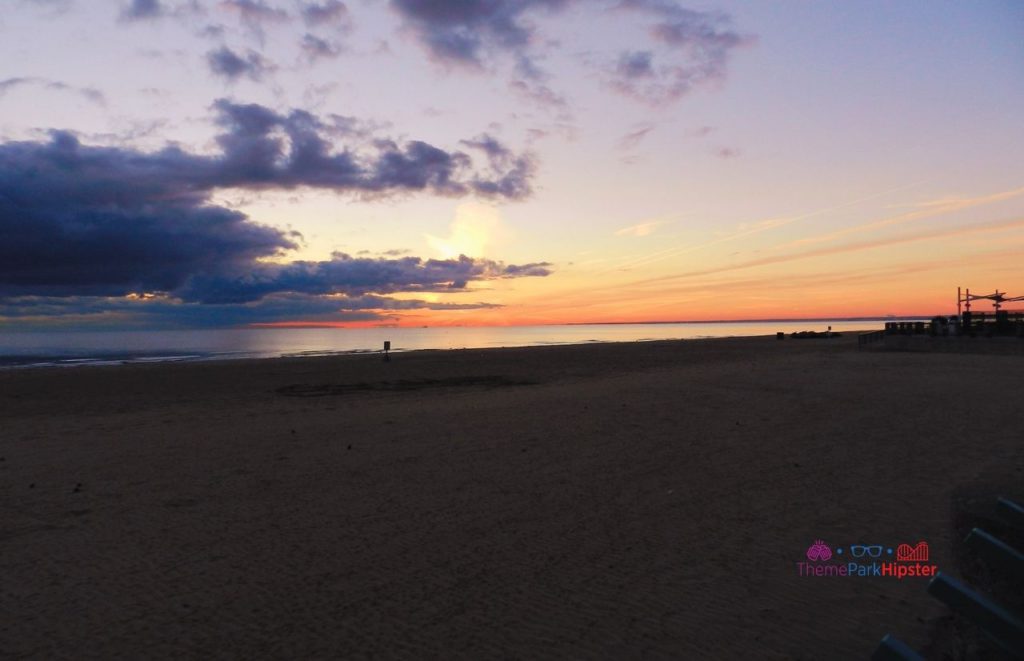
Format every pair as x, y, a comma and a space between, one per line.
387, 348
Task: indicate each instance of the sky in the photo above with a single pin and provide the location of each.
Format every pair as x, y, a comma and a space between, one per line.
221, 163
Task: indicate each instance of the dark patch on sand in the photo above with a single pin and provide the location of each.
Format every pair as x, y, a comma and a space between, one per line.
328, 389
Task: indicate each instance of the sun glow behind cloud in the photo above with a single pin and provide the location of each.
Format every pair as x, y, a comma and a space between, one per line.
477, 230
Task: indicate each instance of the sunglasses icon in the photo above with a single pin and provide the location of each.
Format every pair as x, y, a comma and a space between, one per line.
859, 550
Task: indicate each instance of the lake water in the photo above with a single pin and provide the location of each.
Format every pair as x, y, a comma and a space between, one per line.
67, 348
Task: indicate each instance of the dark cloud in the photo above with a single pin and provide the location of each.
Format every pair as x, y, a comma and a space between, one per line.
464, 32
330, 12
142, 9
230, 65
636, 64
316, 48
696, 48
264, 149
510, 173
167, 312
105, 221
89, 93
692, 47
261, 149
531, 82
212, 31
540, 269
333, 14
351, 276
86, 221
490, 145
8, 84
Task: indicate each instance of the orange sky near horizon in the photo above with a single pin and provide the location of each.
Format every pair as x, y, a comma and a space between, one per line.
908, 263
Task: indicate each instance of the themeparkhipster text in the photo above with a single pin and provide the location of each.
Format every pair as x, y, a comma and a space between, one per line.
865, 560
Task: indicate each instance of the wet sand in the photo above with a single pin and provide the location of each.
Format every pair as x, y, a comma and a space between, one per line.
643, 500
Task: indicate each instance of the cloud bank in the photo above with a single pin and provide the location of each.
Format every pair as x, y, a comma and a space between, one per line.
86, 221
167, 312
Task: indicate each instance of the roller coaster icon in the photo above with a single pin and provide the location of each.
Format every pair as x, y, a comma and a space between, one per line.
908, 553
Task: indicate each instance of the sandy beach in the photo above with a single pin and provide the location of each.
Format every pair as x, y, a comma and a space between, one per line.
644, 500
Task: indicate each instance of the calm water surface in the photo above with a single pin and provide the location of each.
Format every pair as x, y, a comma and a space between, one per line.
27, 349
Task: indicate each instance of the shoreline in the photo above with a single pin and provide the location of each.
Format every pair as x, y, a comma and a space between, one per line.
111, 362
80, 359
604, 499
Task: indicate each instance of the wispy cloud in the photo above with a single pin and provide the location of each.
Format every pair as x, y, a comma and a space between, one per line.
255, 15
852, 247
255, 11
633, 139
748, 229
643, 229
89, 93
927, 210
